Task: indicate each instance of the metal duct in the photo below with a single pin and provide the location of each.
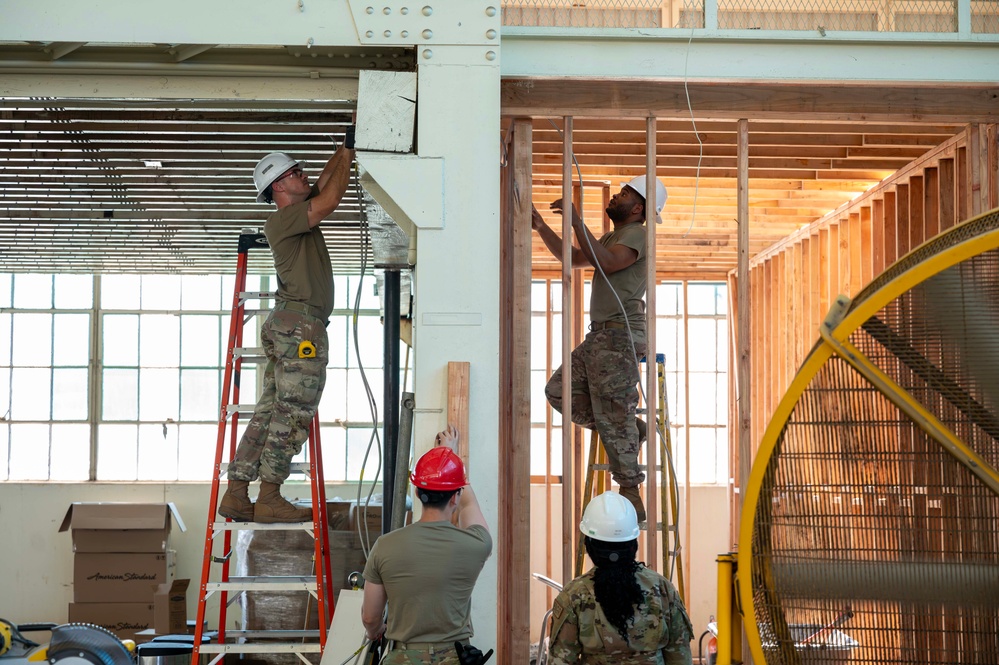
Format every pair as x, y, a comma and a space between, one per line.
389, 243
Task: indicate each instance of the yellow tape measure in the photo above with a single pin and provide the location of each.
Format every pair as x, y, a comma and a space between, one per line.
306, 350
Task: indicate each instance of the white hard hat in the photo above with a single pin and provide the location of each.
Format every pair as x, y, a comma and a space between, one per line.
610, 517
638, 184
270, 169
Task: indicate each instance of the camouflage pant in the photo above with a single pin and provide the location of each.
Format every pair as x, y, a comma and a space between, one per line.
605, 397
291, 391
431, 655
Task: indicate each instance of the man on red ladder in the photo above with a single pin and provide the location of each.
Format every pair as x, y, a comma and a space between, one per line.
294, 334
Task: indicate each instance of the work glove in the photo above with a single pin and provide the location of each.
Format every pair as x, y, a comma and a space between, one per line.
470, 655
348, 137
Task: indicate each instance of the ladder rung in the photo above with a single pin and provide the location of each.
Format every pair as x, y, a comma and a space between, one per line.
239, 408
276, 583
257, 526
644, 526
249, 354
296, 467
257, 295
266, 647
271, 634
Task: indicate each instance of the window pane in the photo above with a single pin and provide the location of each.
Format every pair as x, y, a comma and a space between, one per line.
358, 409
4, 451
29, 452
6, 323
334, 441
338, 336
157, 452
120, 291
539, 404
121, 394
539, 296
74, 291
704, 456
6, 289
160, 292
121, 340
703, 345
159, 340
117, 446
200, 338
70, 452
703, 400
333, 405
539, 343
358, 440
71, 336
69, 394
202, 292
5, 377
31, 397
199, 394
32, 291
159, 394
32, 344
668, 299
196, 445
369, 299
371, 338
704, 298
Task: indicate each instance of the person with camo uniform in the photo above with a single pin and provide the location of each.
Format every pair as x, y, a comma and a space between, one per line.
619, 611
293, 335
604, 367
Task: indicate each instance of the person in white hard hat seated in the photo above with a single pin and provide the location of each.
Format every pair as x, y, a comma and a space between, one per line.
426, 571
619, 611
605, 365
293, 335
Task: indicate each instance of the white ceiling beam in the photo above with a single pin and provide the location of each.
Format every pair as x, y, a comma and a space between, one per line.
781, 57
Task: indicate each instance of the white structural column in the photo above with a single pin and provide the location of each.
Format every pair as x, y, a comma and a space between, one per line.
653, 500
457, 271
569, 483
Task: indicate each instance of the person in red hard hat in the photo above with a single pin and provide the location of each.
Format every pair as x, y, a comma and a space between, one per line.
425, 572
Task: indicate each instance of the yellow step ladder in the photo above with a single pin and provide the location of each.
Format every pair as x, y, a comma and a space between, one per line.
598, 482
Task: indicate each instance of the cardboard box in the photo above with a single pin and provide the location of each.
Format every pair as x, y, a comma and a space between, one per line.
120, 577
359, 514
121, 527
125, 620
170, 608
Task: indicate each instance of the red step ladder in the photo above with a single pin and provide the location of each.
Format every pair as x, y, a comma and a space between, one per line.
319, 584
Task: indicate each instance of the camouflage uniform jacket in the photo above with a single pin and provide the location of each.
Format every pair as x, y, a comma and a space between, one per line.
660, 633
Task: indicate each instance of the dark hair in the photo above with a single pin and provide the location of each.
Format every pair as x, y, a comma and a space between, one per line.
435, 498
614, 582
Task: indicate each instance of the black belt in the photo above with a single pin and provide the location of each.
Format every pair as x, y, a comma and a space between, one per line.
302, 308
426, 646
603, 325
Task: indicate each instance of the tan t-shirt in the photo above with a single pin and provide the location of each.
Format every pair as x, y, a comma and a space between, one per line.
301, 259
629, 283
428, 570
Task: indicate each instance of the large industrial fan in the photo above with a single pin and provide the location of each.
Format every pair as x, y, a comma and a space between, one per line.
870, 528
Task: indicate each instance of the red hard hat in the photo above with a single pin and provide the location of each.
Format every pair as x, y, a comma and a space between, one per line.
439, 469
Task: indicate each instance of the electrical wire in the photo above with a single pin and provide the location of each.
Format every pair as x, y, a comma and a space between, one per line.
700, 155
365, 537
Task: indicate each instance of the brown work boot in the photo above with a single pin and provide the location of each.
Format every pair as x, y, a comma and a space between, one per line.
635, 496
272, 508
643, 431
236, 503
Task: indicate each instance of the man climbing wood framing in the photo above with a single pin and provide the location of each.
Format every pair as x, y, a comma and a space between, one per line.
604, 372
